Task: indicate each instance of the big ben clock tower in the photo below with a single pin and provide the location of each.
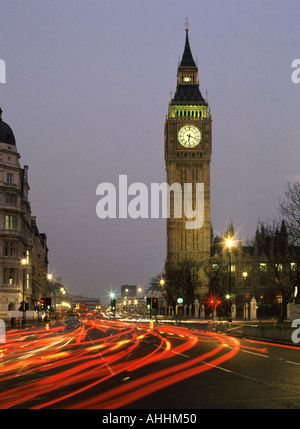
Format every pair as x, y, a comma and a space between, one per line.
188, 147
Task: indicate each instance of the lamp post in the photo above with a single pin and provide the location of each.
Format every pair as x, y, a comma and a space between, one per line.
63, 292
23, 263
245, 275
49, 278
162, 283
229, 244
140, 307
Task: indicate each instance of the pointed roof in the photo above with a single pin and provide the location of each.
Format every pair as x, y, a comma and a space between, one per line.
187, 57
188, 92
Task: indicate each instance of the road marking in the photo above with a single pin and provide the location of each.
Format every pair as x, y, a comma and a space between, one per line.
181, 354
294, 363
252, 353
216, 366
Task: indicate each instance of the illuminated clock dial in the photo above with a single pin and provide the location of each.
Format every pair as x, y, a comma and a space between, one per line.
189, 136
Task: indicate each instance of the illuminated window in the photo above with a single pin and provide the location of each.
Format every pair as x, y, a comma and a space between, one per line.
293, 266
187, 79
10, 222
263, 267
233, 268
279, 267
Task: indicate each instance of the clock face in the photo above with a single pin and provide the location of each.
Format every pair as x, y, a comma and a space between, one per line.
189, 136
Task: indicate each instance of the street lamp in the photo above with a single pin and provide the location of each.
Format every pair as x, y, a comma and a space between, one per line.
23, 263
245, 275
63, 292
229, 244
139, 301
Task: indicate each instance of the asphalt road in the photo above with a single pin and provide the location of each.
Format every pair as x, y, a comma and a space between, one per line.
109, 364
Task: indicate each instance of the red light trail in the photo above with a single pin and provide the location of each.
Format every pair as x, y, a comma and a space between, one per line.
103, 363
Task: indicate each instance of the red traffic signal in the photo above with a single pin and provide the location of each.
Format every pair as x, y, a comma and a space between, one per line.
155, 303
213, 301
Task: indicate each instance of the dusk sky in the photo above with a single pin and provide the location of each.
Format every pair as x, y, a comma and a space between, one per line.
87, 90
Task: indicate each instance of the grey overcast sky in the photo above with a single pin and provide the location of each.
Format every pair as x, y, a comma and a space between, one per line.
87, 92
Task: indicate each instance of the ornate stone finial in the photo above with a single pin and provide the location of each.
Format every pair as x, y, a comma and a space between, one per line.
187, 24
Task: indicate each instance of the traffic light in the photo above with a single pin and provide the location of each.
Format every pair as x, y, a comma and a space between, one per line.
42, 304
26, 306
47, 303
113, 304
148, 303
155, 303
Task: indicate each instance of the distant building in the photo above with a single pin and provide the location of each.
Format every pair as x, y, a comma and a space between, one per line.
39, 262
131, 298
128, 291
91, 303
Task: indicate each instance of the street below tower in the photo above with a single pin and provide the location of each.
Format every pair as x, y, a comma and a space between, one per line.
102, 363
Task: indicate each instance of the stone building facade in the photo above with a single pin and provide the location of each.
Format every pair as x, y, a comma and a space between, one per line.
18, 232
188, 148
267, 269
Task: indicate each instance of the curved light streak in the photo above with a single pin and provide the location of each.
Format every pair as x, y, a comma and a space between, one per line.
60, 368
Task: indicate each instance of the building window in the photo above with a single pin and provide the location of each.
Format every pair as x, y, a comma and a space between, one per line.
279, 267
9, 178
263, 267
9, 276
10, 222
293, 266
11, 248
11, 199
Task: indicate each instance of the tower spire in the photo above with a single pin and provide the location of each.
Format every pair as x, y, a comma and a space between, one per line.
187, 24
187, 90
187, 57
